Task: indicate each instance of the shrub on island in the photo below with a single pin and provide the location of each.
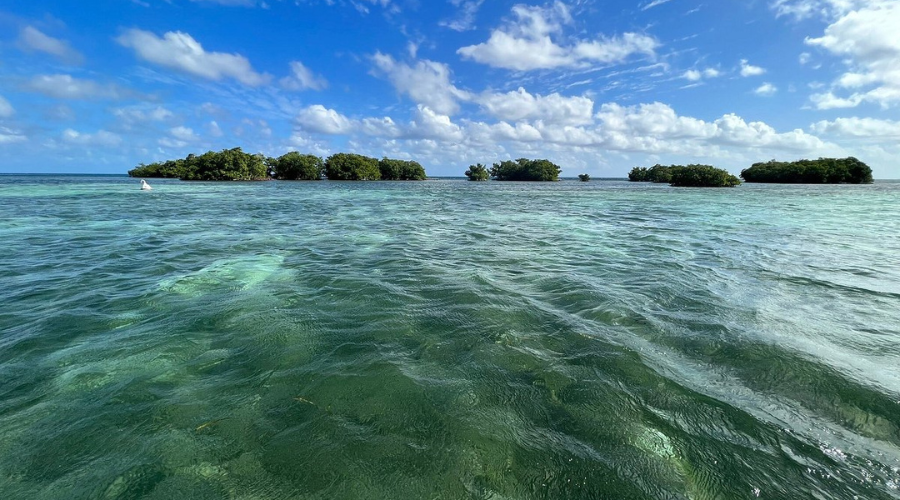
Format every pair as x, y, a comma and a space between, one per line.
400, 170
294, 166
478, 173
657, 173
584, 177
684, 176
701, 176
524, 169
351, 167
226, 165
822, 171
172, 169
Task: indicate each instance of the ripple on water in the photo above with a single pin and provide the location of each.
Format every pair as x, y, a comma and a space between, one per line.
447, 339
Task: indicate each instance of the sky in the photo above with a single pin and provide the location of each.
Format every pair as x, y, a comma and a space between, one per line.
596, 86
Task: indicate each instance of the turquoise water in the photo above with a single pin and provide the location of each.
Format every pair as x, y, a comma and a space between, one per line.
447, 339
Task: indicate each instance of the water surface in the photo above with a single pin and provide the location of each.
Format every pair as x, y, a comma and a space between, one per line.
447, 339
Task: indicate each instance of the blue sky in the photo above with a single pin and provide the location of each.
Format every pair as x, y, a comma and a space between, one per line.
596, 86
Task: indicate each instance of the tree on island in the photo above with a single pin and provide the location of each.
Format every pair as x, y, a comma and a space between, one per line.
657, 173
400, 170
478, 172
524, 169
352, 167
226, 165
584, 177
693, 175
294, 166
822, 171
701, 176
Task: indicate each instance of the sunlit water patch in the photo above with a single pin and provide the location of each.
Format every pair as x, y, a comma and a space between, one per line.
447, 339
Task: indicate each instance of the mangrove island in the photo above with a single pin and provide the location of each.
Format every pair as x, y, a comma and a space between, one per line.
822, 171
522, 169
236, 165
693, 175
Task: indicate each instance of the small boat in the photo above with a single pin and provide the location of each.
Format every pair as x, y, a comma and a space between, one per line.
145, 186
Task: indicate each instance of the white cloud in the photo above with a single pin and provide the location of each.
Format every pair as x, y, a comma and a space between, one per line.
319, 119
432, 125
181, 52
33, 40
140, 115
654, 3
803, 9
695, 75
9, 136
766, 89
100, 138
867, 41
302, 78
520, 105
827, 100
212, 128
526, 43
380, 127
656, 127
748, 69
465, 18
67, 87
183, 133
804, 58
427, 82
859, 128
6, 109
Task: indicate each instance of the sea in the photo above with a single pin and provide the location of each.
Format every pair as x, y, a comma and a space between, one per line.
448, 339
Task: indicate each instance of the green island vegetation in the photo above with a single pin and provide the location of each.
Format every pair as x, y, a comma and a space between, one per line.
822, 171
225, 165
401, 170
692, 175
584, 177
235, 165
522, 169
478, 173
294, 166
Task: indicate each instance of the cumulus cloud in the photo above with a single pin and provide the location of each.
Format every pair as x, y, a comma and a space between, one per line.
695, 75
6, 109
653, 128
533, 40
319, 119
183, 133
67, 87
748, 69
429, 124
33, 40
521, 105
859, 128
766, 89
866, 39
426, 82
656, 127
100, 138
181, 52
302, 78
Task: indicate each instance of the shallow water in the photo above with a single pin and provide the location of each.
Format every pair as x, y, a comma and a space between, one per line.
447, 339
